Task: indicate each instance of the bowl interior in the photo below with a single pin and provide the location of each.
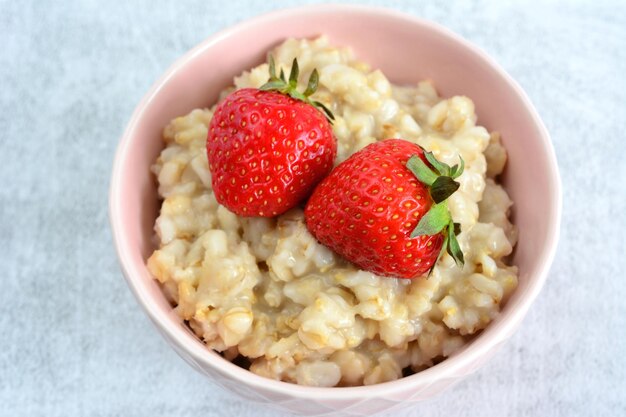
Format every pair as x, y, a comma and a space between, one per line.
406, 50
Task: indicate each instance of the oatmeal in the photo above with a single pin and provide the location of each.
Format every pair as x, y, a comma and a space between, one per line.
266, 290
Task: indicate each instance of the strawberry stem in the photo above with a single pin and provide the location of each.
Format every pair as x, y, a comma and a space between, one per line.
281, 85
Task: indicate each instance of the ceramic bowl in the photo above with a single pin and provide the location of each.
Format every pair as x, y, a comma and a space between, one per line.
406, 49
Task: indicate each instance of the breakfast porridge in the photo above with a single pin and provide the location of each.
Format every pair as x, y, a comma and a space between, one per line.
268, 296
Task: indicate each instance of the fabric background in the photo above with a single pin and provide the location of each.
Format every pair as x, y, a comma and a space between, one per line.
73, 341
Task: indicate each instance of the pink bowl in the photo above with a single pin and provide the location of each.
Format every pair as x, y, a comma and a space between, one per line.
406, 49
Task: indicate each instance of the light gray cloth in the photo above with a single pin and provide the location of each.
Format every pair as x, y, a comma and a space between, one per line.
74, 342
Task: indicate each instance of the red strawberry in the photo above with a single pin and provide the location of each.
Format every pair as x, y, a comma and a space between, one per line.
268, 147
384, 209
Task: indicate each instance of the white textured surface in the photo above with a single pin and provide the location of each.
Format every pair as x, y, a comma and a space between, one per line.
74, 342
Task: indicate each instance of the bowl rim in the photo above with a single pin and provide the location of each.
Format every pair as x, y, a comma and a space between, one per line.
484, 342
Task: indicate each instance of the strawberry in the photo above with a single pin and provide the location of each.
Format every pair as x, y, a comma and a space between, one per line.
269, 147
384, 209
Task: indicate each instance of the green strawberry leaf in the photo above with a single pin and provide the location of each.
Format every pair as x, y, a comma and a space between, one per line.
293, 76
433, 221
457, 170
312, 85
440, 167
272, 69
453, 247
297, 95
442, 188
329, 115
421, 170
272, 85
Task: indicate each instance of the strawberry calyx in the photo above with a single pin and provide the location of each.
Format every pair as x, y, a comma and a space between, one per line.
289, 87
440, 179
